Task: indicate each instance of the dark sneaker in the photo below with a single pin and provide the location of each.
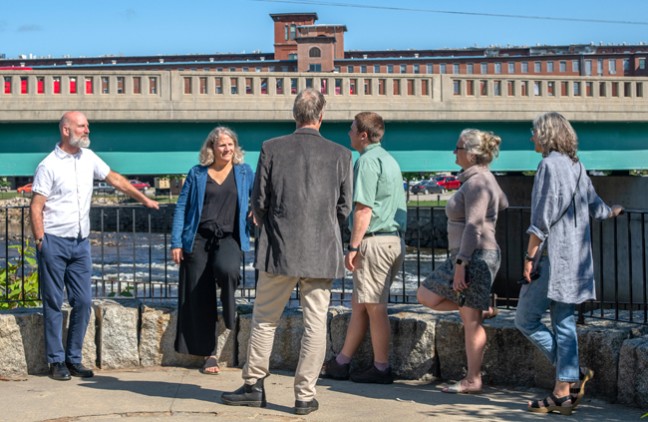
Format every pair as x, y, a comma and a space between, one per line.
305, 407
78, 370
252, 395
58, 371
334, 370
373, 375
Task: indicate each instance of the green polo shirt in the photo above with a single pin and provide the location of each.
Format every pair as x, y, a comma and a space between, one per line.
378, 184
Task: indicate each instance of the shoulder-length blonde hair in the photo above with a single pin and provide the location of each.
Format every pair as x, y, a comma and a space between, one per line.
206, 156
553, 132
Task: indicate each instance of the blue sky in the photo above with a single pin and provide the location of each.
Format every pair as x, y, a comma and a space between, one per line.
147, 27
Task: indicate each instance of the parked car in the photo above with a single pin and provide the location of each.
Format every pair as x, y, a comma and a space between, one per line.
4, 188
139, 185
426, 186
103, 187
25, 189
448, 182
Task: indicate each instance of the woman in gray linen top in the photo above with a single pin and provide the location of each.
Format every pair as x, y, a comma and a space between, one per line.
464, 281
559, 237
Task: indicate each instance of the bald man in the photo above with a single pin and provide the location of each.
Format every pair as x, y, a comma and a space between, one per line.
60, 220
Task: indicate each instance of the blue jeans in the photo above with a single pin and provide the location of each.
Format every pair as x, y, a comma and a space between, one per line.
559, 345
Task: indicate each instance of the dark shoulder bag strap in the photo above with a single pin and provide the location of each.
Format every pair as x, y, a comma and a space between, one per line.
573, 198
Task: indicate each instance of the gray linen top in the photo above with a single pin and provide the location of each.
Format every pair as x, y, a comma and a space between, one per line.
568, 242
472, 212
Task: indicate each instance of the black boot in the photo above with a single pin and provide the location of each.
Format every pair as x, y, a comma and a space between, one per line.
252, 395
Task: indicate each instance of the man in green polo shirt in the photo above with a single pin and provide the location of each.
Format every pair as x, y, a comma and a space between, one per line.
376, 249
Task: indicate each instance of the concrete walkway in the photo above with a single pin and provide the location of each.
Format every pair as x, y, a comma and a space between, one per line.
180, 394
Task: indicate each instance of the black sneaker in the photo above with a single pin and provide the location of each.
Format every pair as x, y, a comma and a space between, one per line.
58, 371
373, 375
252, 395
334, 370
78, 370
305, 407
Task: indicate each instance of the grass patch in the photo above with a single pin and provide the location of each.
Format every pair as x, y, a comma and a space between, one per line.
435, 203
8, 195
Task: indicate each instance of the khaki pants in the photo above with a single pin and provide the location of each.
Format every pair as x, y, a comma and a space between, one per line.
273, 292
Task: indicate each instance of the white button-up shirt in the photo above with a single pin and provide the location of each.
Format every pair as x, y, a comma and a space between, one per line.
66, 181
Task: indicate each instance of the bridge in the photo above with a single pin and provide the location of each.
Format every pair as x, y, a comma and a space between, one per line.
154, 121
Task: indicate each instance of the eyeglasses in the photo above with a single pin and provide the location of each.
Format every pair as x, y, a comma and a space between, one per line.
458, 148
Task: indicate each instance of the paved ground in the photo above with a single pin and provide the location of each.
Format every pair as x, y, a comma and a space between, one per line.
180, 394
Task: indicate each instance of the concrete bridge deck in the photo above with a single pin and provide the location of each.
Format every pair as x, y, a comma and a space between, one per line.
200, 95
153, 122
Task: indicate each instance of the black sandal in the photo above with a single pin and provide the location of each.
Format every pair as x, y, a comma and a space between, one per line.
551, 403
577, 391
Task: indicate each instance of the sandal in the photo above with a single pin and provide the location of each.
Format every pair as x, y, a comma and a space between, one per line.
577, 391
458, 388
551, 403
210, 367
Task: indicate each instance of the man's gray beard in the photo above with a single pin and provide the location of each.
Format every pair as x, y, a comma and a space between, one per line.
80, 142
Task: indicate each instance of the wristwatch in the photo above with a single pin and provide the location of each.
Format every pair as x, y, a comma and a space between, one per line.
528, 257
461, 262
353, 249
38, 241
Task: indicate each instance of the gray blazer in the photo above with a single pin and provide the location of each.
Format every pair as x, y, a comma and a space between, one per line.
301, 198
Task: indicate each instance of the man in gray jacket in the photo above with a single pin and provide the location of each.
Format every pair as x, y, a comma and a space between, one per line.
300, 200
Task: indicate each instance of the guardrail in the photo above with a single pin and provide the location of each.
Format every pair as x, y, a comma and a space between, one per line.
130, 246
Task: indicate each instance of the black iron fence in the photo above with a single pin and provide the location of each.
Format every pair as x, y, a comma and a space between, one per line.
130, 248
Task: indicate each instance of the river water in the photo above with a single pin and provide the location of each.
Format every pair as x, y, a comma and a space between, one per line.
140, 265
135, 264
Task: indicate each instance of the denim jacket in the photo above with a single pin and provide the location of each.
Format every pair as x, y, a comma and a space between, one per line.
190, 204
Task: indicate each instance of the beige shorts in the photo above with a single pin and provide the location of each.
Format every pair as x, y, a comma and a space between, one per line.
379, 260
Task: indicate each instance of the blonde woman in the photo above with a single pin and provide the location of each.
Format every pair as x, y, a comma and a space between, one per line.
209, 231
464, 281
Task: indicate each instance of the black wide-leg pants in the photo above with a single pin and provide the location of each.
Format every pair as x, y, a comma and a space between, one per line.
212, 263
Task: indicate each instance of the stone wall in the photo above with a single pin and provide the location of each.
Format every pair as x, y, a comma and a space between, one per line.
425, 345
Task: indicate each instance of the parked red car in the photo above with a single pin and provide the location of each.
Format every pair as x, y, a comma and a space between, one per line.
448, 182
25, 189
139, 185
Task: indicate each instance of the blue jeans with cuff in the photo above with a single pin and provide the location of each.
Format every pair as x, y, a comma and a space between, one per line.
560, 344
